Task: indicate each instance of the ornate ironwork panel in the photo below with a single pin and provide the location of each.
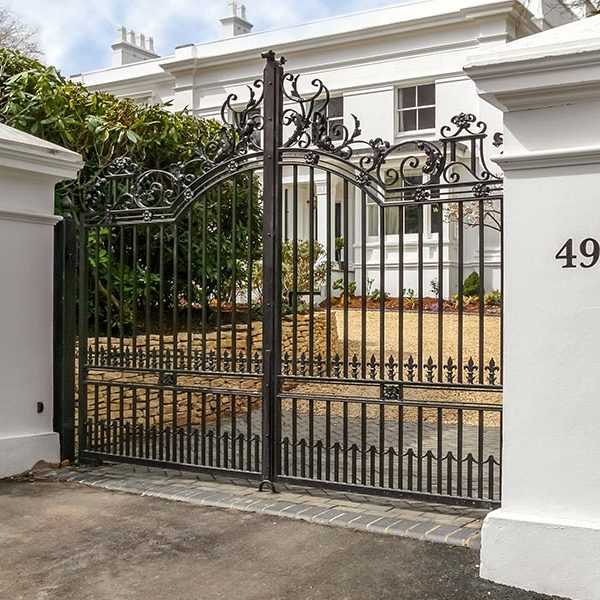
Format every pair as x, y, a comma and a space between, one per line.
299, 303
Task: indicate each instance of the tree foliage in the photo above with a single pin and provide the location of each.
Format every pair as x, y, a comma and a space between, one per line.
102, 128
17, 35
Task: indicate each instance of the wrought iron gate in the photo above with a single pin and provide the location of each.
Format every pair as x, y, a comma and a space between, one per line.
299, 304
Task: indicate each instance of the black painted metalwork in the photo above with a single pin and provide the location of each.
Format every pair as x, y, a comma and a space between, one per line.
332, 338
65, 333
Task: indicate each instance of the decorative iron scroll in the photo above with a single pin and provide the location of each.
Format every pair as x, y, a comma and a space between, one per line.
310, 130
136, 187
305, 121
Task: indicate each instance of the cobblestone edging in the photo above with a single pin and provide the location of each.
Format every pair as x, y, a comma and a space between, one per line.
404, 518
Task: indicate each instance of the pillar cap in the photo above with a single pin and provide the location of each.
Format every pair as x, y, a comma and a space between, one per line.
551, 68
20, 150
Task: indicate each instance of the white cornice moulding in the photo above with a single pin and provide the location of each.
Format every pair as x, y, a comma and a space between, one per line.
190, 60
546, 159
27, 217
538, 78
39, 160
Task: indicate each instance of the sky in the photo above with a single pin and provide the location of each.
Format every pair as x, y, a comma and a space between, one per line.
75, 35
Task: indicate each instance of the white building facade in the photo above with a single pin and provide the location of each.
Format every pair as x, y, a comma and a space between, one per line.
399, 69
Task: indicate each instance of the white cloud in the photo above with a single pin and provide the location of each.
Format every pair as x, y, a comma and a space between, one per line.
76, 35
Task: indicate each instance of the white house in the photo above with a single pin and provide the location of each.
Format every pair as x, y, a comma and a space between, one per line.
398, 68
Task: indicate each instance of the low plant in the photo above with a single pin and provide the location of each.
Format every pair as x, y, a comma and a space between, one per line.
435, 287
376, 294
409, 298
493, 298
467, 300
350, 291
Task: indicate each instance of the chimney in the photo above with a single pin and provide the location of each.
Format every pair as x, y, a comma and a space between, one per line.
236, 23
131, 47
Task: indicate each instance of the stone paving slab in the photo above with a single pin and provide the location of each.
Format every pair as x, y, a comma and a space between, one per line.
457, 526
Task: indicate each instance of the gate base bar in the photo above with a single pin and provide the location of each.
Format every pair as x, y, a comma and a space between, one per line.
88, 456
354, 488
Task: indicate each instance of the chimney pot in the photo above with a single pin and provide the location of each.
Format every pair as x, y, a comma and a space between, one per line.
131, 47
236, 23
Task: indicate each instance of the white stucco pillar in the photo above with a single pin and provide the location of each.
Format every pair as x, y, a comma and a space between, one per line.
321, 210
29, 170
546, 536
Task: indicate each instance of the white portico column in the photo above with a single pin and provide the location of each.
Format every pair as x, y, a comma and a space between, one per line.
321, 214
29, 170
546, 536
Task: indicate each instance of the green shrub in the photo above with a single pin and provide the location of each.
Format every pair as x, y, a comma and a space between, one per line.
38, 100
471, 285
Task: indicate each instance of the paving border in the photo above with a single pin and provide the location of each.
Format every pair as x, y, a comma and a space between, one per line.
416, 520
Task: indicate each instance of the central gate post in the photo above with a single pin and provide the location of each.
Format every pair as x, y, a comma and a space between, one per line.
273, 110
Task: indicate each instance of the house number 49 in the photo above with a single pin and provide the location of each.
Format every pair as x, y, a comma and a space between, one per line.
589, 249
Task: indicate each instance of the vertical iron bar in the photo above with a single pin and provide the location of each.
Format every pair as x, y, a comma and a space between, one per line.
420, 268
364, 275
295, 273
328, 284
250, 209
461, 278
382, 293
134, 266
219, 278
481, 290
345, 211
401, 300
204, 201
234, 200
440, 299
121, 292
189, 304
311, 270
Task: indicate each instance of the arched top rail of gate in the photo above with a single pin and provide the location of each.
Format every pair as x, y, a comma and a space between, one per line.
454, 167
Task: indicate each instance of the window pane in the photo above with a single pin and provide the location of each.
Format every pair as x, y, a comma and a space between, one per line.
407, 97
391, 221
335, 107
407, 120
426, 118
426, 94
411, 219
372, 220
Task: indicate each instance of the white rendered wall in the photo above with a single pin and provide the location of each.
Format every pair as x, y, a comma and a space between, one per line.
546, 536
26, 317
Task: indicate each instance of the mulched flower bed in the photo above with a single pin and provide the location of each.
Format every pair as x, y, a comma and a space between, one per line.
411, 304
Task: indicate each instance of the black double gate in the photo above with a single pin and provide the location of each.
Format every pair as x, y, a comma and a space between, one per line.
298, 304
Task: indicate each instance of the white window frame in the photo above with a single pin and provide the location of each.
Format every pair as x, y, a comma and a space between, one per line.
331, 120
391, 237
398, 110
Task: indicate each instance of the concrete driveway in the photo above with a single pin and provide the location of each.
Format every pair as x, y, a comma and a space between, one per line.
69, 542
